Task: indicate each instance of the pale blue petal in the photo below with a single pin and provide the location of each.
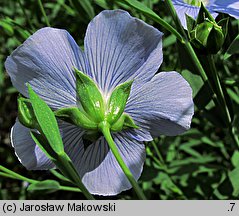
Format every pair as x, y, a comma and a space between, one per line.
28, 153
96, 164
230, 7
46, 60
120, 48
183, 8
164, 105
141, 134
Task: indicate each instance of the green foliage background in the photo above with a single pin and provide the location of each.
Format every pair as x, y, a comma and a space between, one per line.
203, 163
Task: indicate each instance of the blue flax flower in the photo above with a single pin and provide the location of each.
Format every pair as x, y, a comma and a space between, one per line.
191, 8
117, 48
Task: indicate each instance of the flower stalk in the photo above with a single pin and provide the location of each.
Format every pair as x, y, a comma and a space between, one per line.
105, 129
44, 13
13, 175
220, 99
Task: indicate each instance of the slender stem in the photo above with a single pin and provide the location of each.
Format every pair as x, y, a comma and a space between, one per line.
43, 13
175, 18
10, 174
25, 14
16, 175
234, 135
105, 128
68, 169
218, 89
157, 151
59, 175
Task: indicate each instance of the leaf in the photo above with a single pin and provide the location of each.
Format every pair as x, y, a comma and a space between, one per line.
233, 95
141, 7
194, 80
44, 185
47, 121
233, 48
168, 41
235, 159
234, 176
86, 5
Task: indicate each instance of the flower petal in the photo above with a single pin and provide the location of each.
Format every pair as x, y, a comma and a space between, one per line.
96, 164
28, 153
230, 7
120, 48
46, 60
164, 105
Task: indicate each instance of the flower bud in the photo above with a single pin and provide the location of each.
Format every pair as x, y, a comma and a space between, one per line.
205, 34
26, 115
208, 37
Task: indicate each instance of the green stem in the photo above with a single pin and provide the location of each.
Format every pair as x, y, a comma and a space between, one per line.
44, 13
218, 89
10, 174
65, 165
157, 152
16, 175
105, 128
59, 176
25, 14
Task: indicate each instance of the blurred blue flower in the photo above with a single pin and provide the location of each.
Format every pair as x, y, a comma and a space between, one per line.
191, 8
117, 48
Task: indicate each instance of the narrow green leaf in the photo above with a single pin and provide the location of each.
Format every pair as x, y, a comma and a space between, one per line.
44, 185
233, 95
117, 101
47, 121
88, 8
233, 48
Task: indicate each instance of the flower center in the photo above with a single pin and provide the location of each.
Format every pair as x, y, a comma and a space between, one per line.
197, 2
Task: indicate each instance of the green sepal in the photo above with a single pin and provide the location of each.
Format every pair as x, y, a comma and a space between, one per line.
201, 33
216, 35
89, 96
26, 114
124, 122
47, 122
190, 22
74, 116
117, 101
204, 14
224, 25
